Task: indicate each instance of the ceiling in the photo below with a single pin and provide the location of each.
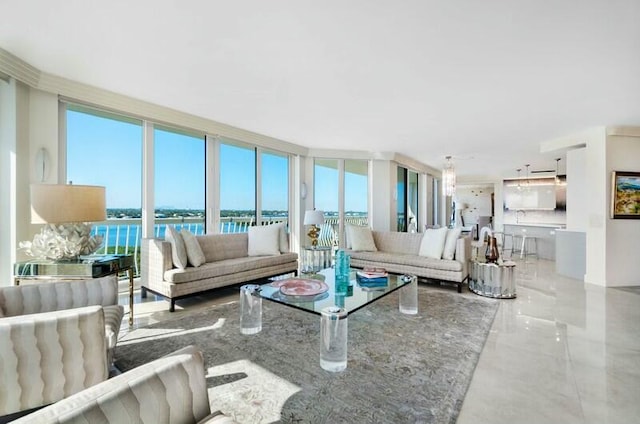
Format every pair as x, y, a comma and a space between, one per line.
483, 81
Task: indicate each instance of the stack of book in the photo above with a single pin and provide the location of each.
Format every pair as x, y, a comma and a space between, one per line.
372, 278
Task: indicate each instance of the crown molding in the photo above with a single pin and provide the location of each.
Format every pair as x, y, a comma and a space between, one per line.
624, 131
17, 68
415, 165
76, 92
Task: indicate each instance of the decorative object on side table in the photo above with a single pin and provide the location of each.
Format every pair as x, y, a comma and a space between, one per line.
491, 254
66, 210
625, 195
314, 218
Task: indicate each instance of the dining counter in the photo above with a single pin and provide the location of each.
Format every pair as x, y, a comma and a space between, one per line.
543, 232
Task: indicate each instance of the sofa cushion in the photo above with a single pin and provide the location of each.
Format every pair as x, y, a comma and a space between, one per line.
264, 240
217, 247
449, 251
194, 251
178, 250
382, 258
361, 238
397, 242
432, 243
226, 267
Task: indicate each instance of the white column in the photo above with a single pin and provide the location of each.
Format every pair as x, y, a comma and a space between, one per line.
7, 180
148, 206
212, 186
341, 203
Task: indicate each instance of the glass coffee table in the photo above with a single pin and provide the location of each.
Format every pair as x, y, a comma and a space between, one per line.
356, 298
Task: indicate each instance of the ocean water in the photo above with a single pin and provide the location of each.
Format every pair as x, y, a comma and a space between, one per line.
131, 234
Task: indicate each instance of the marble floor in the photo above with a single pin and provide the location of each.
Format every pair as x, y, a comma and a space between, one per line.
561, 352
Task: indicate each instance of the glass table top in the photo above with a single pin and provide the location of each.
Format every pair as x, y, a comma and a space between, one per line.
356, 297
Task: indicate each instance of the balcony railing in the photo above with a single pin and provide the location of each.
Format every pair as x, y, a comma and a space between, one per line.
124, 236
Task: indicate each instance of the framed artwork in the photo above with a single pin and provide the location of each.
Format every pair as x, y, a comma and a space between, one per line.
625, 195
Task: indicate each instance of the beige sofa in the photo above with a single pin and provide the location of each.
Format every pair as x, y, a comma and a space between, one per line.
398, 253
227, 263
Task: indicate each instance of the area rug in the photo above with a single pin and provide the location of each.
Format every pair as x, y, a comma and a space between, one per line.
401, 368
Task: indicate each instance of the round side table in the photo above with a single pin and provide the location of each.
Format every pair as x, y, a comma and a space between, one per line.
492, 279
315, 259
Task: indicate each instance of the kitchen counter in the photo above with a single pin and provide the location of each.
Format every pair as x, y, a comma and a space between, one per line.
532, 224
545, 235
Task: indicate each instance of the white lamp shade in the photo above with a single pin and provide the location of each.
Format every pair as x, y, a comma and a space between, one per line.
313, 218
61, 203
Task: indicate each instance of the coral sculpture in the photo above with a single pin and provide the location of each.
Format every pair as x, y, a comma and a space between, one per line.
64, 241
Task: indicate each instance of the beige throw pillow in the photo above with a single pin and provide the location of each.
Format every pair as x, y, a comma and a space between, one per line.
449, 251
432, 243
283, 239
195, 255
264, 240
361, 238
178, 250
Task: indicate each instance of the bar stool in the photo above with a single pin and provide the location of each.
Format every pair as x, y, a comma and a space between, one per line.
528, 244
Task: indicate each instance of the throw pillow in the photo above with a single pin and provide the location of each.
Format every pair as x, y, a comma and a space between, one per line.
195, 255
453, 235
432, 243
178, 250
283, 241
264, 240
361, 238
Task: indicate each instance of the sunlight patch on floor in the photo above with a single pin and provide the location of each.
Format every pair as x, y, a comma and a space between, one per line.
258, 397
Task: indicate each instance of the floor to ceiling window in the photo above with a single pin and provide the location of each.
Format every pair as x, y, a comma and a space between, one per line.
179, 171
407, 200
274, 190
401, 199
356, 191
106, 149
325, 198
237, 188
327, 192
412, 201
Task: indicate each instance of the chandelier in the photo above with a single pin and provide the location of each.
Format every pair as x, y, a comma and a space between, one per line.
448, 178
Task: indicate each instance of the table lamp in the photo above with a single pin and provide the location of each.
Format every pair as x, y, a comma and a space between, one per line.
66, 210
314, 218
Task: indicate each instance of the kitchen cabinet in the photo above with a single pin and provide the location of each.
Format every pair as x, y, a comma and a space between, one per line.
530, 197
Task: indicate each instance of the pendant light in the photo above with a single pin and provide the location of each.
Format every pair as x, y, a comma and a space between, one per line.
519, 186
558, 182
448, 178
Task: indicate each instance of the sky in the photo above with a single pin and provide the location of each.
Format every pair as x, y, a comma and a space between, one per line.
108, 152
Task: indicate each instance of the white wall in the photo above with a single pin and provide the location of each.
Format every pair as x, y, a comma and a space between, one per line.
382, 187
623, 235
596, 210
577, 190
477, 201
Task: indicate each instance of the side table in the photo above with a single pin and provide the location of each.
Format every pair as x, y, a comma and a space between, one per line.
315, 259
85, 267
492, 279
